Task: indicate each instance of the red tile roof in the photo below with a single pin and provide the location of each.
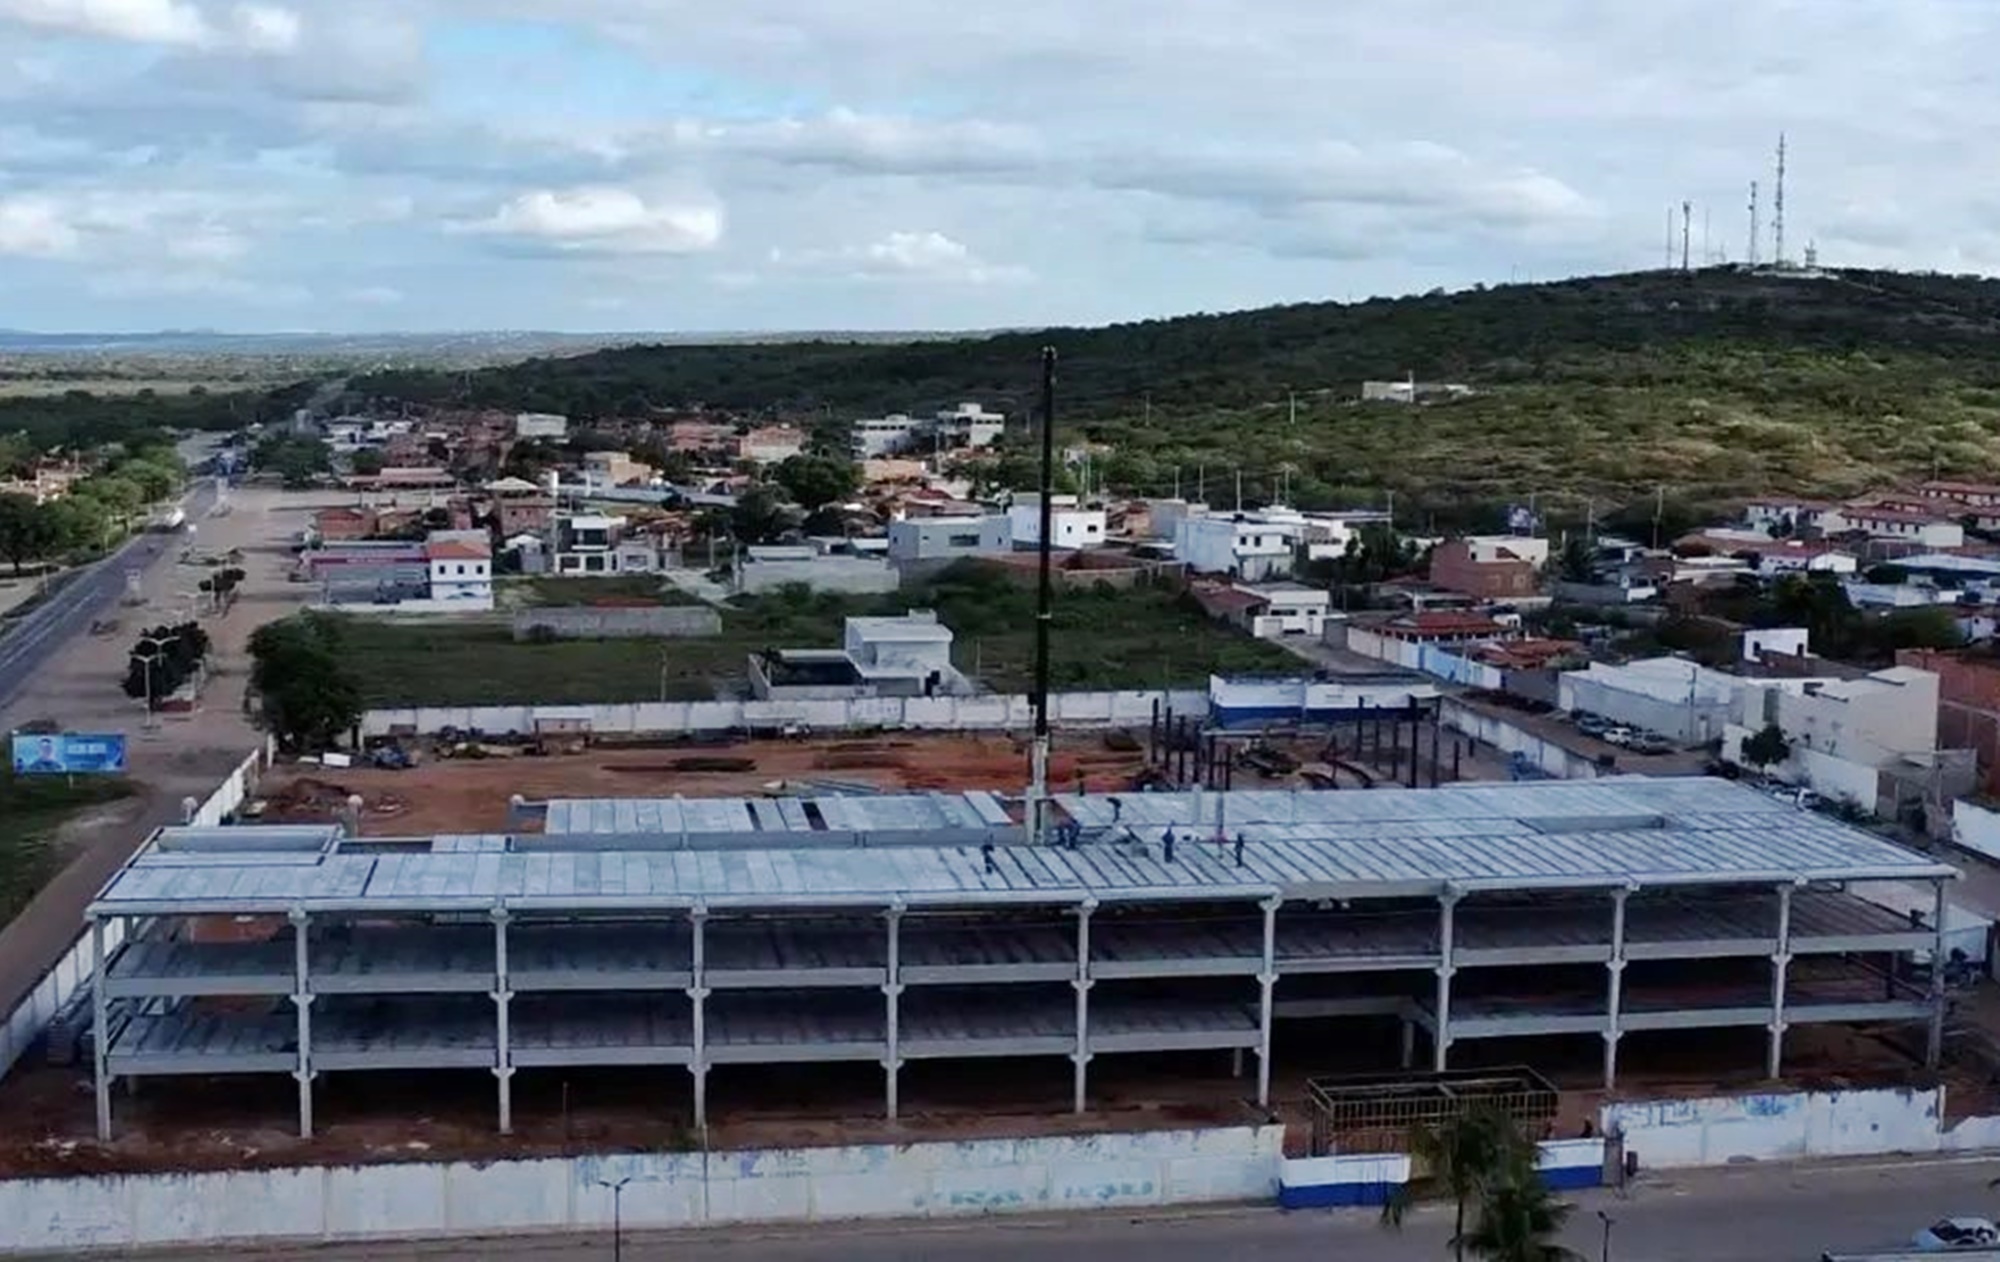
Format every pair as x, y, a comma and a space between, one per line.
456, 550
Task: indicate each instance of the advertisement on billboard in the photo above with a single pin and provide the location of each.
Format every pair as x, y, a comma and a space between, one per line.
67, 754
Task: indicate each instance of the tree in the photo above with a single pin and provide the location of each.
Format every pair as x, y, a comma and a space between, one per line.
1766, 747
368, 462
301, 671
1519, 1221
296, 459
1577, 564
816, 481
154, 481
26, 531
1931, 627
1464, 1159
759, 516
116, 496
163, 659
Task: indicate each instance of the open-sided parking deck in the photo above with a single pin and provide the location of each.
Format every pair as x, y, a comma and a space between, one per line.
1160, 922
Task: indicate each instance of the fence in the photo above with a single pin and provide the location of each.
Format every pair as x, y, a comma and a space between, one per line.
1555, 759
953, 714
71, 973
662, 1190
671, 622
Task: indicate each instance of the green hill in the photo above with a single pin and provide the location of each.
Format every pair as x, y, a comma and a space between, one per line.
1713, 386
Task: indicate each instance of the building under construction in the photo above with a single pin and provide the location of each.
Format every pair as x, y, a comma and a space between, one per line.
702, 934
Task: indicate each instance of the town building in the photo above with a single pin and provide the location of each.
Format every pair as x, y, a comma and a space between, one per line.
1490, 567
1252, 547
969, 425
343, 523
729, 936
1782, 516
1238, 703
1899, 525
616, 468
461, 569
1071, 524
907, 656
919, 539
1972, 495
1269, 611
1844, 734
546, 425
771, 444
1968, 705
1674, 697
1411, 390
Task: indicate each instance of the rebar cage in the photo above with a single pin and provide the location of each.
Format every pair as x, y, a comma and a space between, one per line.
1376, 1114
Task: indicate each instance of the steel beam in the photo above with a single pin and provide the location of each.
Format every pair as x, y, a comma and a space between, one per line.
892, 993
1083, 983
1615, 988
503, 1004
100, 1030
302, 999
1441, 1036
1934, 1042
1267, 982
698, 997
1781, 964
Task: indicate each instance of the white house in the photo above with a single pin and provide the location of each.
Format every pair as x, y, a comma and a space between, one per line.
969, 425
1677, 698
540, 425
1071, 524
884, 435
1248, 546
461, 568
1326, 535
1902, 525
1841, 731
1784, 515
589, 544
1288, 609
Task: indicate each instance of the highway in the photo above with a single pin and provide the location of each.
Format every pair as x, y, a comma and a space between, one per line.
84, 598
1743, 1214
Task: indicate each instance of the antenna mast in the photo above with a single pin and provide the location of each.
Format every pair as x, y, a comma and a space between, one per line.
1670, 239
1038, 789
1778, 210
1755, 228
1687, 213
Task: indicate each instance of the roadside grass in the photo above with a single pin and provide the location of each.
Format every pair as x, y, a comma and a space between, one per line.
1099, 638
33, 808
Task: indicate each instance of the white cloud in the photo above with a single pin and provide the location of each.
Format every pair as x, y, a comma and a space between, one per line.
140, 21
930, 256
374, 295
34, 227
605, 219
260, 28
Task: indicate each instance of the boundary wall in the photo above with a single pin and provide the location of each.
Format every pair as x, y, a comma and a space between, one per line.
665, 1191
1370, 1179
951, 714
71, 973
1557, 760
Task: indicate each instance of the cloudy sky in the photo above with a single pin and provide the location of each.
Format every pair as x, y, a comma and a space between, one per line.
798, 164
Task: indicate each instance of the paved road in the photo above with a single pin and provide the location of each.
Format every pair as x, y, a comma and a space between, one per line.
26, 649
1759, 1214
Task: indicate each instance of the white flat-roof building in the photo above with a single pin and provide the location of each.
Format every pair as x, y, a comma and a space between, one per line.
540, 425
1072, 525
1247, 546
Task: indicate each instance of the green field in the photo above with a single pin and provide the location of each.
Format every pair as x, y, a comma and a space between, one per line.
622, 589
33, 808
1146, 638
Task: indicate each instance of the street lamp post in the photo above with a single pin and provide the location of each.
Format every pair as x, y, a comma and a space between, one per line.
1604, 1252
617, 1187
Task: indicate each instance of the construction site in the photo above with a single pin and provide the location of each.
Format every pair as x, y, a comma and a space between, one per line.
561, 973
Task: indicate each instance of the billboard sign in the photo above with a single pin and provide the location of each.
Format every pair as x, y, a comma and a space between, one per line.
68, 753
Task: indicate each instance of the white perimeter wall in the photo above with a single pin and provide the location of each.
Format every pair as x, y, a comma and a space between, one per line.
1558, 761
33, 1014
1791, 1126
958, 714
667, 1190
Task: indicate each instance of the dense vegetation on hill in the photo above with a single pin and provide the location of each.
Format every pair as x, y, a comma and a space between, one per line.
1612, 389
79, 420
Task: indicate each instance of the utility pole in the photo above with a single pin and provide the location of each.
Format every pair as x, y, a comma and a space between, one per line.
1038, 789
1687, 212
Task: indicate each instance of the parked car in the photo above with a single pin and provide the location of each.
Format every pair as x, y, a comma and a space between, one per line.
1948, 1235
1590, 724
1619, 736
1651, 743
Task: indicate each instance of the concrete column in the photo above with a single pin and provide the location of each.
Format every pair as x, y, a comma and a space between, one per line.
1267, 982
1441, 1041
892, 994
302, 999
1409, 1043
1615, 988
1781, 963
1083, 983
100, 1031
502, 995
1934, 1043
698, 997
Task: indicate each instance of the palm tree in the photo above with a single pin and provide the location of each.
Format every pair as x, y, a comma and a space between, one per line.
1518, 1222
1463, 1159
